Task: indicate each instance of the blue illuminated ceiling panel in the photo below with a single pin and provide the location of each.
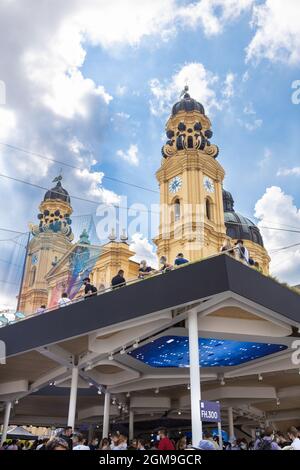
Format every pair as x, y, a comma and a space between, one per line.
173, 351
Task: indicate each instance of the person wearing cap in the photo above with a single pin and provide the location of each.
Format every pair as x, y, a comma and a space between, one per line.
180, 259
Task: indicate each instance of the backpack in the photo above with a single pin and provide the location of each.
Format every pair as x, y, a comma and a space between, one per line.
264, 444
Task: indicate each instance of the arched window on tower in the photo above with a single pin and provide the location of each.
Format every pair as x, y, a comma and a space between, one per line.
176, 210
208, 209
32, 275
190, 142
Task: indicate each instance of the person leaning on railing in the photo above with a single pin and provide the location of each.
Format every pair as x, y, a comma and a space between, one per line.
165, 265
89, 289
227, 247
118, 280
145, 270
180, 260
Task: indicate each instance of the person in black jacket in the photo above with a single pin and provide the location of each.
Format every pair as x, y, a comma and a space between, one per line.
67, 436
89, 289
118, 280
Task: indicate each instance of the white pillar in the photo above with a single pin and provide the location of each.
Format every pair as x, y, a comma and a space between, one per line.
6, 421
230, 423
73, 397
195, 389
131, 424
220, 435
106, 415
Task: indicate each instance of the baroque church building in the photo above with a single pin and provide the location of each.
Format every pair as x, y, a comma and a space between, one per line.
196, 216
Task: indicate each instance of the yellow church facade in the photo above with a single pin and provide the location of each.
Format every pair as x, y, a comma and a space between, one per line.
196, 216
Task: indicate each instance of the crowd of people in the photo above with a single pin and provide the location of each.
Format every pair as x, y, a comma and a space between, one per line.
238, 251
269, 439
119, 280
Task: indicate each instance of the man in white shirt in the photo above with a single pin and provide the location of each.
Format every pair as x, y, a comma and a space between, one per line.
64, 300
293, 434
242, 252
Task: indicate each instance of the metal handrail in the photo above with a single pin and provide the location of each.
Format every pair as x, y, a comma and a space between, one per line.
110, 289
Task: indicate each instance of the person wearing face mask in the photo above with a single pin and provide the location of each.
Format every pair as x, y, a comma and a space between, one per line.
164, 442
94, 445
144, 270
242, 443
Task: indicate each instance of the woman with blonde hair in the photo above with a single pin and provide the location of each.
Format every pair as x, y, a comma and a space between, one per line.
227, 247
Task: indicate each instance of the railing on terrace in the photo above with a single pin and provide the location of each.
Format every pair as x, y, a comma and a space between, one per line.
19, 316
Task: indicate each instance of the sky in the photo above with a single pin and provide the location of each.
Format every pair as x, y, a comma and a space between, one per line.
92, 83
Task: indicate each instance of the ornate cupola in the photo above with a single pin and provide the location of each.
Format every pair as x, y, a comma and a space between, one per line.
188, 128
55, 212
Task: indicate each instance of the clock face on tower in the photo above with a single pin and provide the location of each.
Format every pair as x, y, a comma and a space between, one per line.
208, 184
175, 184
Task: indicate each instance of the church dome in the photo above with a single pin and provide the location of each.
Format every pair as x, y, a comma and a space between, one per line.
238, 226
58, 192
187, 104
228, 201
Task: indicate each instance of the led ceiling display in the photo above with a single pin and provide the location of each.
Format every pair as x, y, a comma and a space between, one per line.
173, 351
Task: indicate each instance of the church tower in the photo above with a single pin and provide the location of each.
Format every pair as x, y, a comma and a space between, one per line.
190, 180
51, 239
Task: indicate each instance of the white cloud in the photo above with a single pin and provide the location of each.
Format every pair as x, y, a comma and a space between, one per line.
110, 24
8, 122
246, 76
62, 88
213, 15
143, 250
250, 126
263, 163
93, 181
277, 209
251, 123
122, 115
228, 90
121, 90
54, 110
6, 303
131, 155
249, 109
199, 80
75, 145
295, 171
277, 36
